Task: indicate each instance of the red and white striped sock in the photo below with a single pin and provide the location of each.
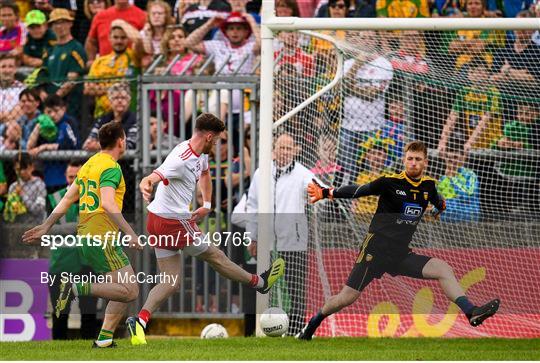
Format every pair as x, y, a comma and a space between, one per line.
256, 282
144, 317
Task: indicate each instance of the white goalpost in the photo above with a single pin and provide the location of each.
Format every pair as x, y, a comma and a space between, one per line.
351, 96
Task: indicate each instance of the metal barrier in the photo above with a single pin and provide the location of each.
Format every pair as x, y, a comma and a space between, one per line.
173, 102
234, 97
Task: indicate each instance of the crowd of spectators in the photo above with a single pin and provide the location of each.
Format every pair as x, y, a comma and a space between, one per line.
67, 67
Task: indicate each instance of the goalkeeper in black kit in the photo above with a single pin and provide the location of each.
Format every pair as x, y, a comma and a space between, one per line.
403, 199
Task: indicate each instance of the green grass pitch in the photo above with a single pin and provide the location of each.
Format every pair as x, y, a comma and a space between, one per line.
281, 349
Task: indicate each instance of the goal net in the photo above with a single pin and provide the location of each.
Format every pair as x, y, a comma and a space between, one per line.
473, 98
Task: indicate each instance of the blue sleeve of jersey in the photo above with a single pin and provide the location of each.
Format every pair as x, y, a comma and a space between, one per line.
66, 137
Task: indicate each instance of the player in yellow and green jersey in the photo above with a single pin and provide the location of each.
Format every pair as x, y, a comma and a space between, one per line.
99, 188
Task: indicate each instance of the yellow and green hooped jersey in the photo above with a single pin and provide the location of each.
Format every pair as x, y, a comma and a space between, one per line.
101, 170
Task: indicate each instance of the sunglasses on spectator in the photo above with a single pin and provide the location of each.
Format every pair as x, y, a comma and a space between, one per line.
336, 5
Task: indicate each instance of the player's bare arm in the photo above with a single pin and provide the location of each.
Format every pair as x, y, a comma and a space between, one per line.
34, 235
477, 131
205, 184
447, 130
146, 186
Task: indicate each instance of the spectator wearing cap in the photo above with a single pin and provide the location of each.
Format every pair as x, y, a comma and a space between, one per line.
54, 130
122, 62
65, 62
236, 54
238, 29
98, 41
12, 32
201, 12
40, 39
10, 88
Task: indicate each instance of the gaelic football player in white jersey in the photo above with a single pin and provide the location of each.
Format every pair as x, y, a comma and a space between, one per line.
169, 216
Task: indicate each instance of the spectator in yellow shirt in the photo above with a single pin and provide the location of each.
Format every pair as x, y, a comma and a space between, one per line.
123, 62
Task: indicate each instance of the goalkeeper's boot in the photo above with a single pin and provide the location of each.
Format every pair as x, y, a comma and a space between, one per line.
270, 276
136, 331
66, 292
481, 313
112, 345
306, 333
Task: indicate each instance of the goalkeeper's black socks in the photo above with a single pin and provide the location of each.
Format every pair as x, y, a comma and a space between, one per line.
308, 331
465, 305
317, 319
314, 323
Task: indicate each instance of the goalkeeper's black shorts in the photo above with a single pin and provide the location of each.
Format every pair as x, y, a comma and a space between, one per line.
372, 263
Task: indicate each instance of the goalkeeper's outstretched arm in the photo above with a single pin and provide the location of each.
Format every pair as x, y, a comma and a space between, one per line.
317, 192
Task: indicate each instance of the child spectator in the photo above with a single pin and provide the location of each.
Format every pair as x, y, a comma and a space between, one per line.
520, 174
29, 103
460, 188
475, 116
374, 168
10, 136
12, 32
325, 167
392, 134
65, 63
40, 39
54, 131
26, 197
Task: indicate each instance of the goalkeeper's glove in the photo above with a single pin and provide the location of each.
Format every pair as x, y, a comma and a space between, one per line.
316, 192
436, 213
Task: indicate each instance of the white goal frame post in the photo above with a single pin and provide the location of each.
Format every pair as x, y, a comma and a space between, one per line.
270, 24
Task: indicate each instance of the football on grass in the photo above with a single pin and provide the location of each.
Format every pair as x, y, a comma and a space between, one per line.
214, 331
274, 322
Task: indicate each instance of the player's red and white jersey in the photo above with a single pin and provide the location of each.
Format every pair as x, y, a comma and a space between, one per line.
179, 174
